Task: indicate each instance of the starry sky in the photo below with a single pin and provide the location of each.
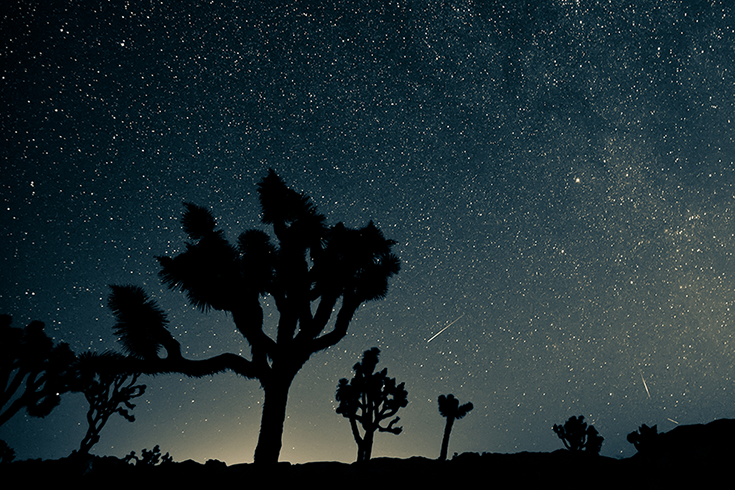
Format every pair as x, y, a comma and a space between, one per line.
558, 176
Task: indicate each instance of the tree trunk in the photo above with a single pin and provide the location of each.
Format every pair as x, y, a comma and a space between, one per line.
271, 422
365, 447
360, 451
88, 442
445, 440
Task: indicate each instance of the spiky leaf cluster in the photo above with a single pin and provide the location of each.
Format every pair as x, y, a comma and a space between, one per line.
208, 270
290, 212
197, 222
141, 324
359, 260
449, 407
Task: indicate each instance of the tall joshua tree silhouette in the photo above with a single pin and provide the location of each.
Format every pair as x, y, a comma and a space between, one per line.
312, 270
108, 387
369, 398
449, 407
33, 371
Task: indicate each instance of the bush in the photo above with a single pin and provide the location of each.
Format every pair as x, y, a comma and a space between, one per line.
149, 457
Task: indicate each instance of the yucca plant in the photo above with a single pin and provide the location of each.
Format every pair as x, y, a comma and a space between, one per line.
367, 400
450, 409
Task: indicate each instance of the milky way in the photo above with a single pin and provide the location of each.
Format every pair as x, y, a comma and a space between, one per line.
558, 178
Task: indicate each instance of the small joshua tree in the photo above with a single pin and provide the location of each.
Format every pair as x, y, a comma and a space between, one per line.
577, 437
369, 398
108, 387
644, 439
449, 407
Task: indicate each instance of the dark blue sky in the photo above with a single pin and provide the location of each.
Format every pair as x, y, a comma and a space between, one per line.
559, 176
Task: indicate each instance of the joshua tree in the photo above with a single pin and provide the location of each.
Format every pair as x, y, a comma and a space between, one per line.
369, 398
108, 388
33, 372
644, 439
312, 270
449, 407
576, 436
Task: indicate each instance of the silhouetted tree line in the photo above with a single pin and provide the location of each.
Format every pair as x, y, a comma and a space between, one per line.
310, 270
149, 457
309, 264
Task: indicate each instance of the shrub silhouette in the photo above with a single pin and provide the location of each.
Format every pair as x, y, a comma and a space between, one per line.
108, 386
33, 371
450, 409
368, 399
312, 270
644, 439
576, 436
149, 457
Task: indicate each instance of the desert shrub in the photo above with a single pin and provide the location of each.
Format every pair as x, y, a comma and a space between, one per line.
148, 457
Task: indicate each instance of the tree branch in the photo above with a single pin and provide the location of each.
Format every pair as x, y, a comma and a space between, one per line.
321, 317
196, 368
249, 322
349, 305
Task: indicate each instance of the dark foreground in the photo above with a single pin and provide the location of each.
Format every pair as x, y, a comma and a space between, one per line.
687, 455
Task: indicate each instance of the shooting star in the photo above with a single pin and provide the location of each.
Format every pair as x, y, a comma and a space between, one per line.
645, 386
672, 420
440, 331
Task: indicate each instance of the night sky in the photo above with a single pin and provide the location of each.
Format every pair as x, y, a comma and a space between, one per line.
558, 176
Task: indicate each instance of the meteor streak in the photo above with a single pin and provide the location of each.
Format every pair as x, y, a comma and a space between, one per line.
440, 331
645, 386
